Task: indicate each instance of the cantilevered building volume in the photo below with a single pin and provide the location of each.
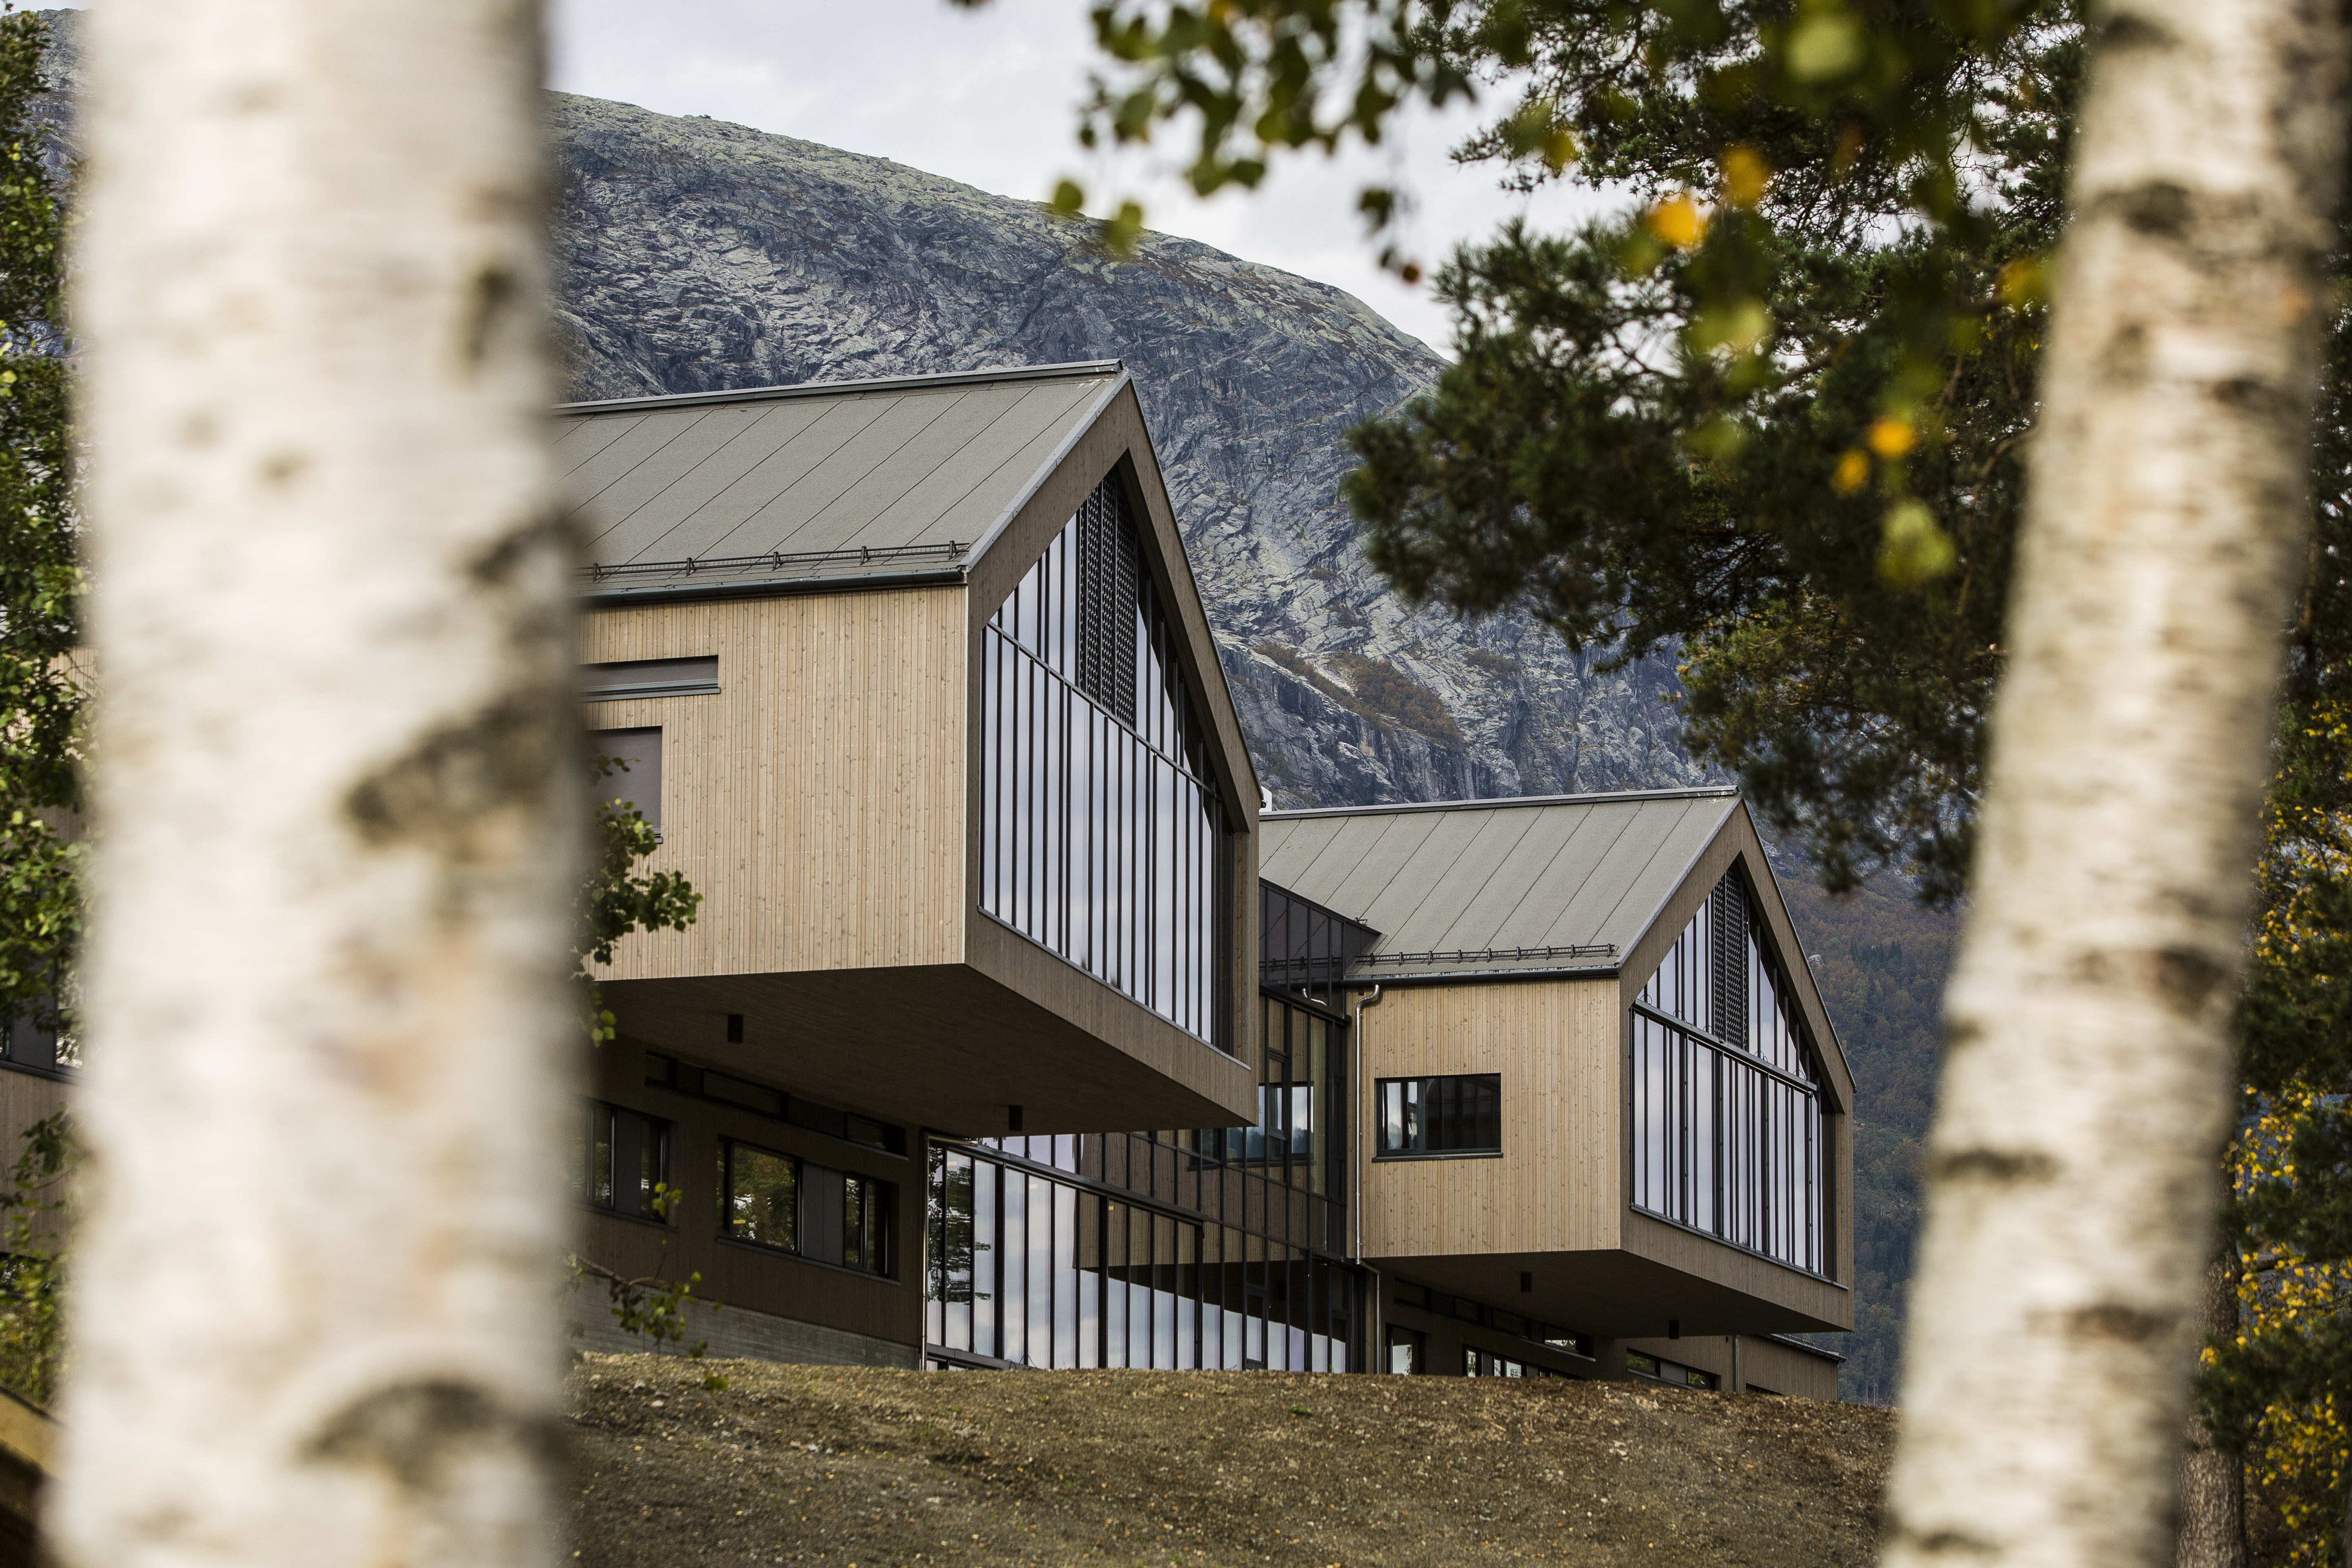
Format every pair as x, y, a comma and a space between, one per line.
913, 678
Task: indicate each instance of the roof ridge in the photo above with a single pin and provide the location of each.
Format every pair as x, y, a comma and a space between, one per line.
1497, 802
836, 388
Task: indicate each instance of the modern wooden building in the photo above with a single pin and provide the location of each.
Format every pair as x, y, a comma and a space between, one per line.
1597, 1084
913, 678
1541, 1093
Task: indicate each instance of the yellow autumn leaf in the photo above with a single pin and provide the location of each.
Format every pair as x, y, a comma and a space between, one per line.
1852, 473
1678, 221
1890, 438
1745, 176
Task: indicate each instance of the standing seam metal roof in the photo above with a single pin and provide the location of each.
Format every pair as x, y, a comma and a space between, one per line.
812, 483
1500, 886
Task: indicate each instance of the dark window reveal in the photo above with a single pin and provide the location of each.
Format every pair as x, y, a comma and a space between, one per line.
648, 677
1408, 1351
1457, 1115
1486, 1363
622, 1164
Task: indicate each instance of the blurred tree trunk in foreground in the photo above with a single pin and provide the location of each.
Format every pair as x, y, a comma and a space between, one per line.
2087, 1080
338, 790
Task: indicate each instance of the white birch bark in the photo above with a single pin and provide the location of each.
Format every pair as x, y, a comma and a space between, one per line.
314, 1314
2087, 1087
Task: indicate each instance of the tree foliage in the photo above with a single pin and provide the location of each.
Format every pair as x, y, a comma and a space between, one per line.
1775, 414
2279, 1389
619, 898
42, 692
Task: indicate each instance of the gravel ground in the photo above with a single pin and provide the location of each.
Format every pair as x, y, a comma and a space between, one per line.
886, 1469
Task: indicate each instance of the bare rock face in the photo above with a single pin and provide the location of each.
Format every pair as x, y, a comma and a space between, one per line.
697, 256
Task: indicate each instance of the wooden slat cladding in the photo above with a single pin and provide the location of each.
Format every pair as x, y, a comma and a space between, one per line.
1555, 1188
817, 800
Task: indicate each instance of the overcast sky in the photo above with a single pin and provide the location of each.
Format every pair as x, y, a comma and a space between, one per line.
987, 97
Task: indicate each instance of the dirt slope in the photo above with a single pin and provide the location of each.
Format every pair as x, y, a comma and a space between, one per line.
794, 1464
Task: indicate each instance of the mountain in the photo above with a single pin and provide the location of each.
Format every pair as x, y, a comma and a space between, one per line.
694, 256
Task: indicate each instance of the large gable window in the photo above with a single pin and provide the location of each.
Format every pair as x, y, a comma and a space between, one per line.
1104, 839
1726, 1098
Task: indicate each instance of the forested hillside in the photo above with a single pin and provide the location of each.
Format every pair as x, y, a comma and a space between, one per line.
1881, 962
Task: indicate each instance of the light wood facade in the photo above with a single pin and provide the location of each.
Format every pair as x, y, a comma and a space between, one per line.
826, 801
1548, 1227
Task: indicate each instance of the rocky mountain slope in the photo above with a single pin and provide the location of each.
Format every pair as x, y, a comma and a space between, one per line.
695, 256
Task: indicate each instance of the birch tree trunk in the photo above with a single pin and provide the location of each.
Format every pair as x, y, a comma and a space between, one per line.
315, 1319
2087, 1080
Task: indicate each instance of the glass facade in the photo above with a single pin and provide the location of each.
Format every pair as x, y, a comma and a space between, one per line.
1218, 1248
1305, 948
1103, 837
1728, 1135
1299, 1104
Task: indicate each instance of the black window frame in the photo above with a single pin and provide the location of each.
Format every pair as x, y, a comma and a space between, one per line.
1383, 1149
659, 1192
876, 1201
727, 1228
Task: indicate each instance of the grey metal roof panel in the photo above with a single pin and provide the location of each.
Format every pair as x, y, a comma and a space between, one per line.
1486, 886
813, 483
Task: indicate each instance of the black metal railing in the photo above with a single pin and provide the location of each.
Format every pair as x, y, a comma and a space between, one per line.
783, 563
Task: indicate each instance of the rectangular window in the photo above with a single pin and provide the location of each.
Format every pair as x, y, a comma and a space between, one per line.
1565, 1340
622, 1163
864, 1225
1406, 1352
636, 776
1670, 1372
1457, 1115
1486, 1363
763, 1194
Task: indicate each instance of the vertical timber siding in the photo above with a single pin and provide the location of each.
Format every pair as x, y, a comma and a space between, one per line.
817, 800
1556, 1186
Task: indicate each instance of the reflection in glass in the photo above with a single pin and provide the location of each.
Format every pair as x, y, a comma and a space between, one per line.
1462, 1114
762, 1193
1104, 839
1057, 1276
1727, 1134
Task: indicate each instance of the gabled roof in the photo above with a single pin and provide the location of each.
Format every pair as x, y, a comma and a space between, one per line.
849, 481
1497, 886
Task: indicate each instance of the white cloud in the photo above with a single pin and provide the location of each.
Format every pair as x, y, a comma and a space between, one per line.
989, 98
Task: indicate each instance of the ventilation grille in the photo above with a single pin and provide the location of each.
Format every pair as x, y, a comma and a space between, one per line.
1107, 595
1731, 924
